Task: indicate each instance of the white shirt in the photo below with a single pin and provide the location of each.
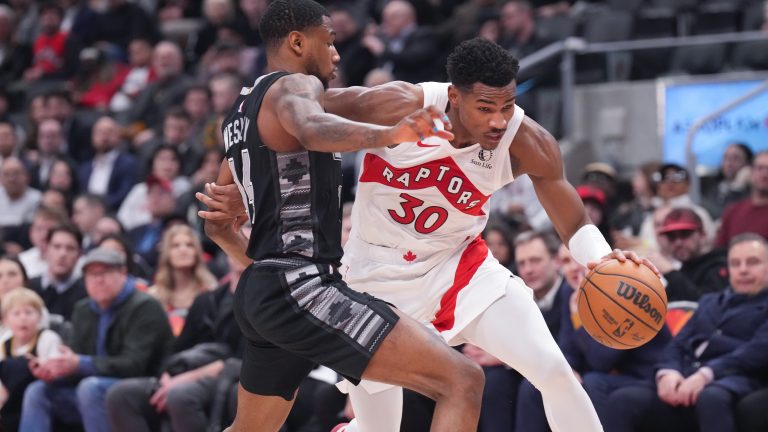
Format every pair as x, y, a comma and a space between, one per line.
47, 346
34, 263
133, 211
102, 171
545, 303
21, 210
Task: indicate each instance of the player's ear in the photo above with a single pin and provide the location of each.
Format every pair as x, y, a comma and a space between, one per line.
453, 95
296, 42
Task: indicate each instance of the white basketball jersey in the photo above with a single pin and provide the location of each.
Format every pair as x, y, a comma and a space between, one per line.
425, 197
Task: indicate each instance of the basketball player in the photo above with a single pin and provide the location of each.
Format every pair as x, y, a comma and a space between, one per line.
420, 208
291, 303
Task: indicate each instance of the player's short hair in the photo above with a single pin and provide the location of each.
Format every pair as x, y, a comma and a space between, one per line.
285, 16
481, 61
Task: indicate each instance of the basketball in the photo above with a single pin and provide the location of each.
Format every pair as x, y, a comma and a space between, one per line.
622, 305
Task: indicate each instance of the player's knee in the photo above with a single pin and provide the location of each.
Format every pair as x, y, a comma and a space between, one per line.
469, 379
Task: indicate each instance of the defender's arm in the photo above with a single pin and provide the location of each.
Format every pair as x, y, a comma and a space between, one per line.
298, 105
384, 105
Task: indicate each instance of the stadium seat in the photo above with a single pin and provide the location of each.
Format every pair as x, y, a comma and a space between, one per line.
678, 313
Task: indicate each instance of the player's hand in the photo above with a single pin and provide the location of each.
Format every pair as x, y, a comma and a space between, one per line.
224, 202
667, 388
623, 256
420, 125
479, 355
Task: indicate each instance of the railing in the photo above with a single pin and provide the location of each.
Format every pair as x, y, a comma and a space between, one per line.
568, 49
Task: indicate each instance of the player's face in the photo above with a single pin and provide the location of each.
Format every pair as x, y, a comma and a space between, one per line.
485, 111
322, 56
748, 267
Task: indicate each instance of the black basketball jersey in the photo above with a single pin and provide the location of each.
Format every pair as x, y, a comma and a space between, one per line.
293, 199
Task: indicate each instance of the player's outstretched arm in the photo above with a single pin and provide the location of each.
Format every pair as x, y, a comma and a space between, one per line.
298, 104
225, 231
536, 152
384, 105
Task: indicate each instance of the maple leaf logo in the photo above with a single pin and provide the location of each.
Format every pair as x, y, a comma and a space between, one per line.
410, 256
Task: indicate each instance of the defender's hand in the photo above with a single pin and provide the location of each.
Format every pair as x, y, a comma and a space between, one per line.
420, 125
224, 202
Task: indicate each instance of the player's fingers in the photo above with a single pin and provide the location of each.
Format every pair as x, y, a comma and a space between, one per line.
213, 215
444, 134
619, 255
438, 114
651, 266
205, 199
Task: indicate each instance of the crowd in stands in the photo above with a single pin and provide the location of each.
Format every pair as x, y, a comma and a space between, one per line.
117, 310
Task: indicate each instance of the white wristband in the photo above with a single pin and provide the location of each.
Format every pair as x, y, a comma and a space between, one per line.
588, 244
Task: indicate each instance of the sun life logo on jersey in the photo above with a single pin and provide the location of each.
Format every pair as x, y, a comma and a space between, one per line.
485, 156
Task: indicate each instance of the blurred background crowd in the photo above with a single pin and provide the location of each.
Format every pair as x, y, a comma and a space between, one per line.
109, 124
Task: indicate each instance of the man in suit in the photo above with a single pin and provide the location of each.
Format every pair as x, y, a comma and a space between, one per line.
719, 356
403, 48
112, 172
61, 286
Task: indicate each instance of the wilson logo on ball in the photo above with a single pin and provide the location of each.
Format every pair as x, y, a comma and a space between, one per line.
640, 300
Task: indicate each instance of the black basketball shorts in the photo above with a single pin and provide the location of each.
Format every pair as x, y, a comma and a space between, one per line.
294, 315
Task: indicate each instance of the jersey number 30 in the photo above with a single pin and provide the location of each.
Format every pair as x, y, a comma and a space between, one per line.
427, 220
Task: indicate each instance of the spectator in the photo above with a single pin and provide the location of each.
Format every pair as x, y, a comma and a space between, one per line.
106, 226
181, 274
184, 394
22, 312
377, 76
629, 217
97, 79
9, 141
160, 203
500, 241
164, 164
216, 13
165, 92
177, 128
63, 178
51, 146
356, 61
15, 55
12, 276
17, 199
56, 200
732, 179
402, 46
716, 358
197, 104
140, 74
61, 287
696, 268
121, 22
112, 172
749, 214
77, 133
118, 332
135, 264
596, 205
673, 183
55, 52
518, 29
518, 204
45, 219
87, 210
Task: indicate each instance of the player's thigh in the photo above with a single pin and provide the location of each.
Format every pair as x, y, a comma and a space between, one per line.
513, 330
413, 357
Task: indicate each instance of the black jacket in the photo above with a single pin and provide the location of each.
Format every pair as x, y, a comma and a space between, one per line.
705, 274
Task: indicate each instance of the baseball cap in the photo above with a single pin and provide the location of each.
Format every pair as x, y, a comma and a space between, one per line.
104, 256
599, 168
681, 219
589, 192
153, 180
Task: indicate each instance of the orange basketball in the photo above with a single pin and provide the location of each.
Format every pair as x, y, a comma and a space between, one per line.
622, 305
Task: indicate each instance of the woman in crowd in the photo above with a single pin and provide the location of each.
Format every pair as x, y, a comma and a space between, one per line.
181, 274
